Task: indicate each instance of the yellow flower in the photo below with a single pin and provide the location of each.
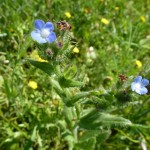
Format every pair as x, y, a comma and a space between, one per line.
143, 19
32, 84
86, 10
41, 60
105, 21
34, 55
116, 8
76, 50
67, 14
138, 63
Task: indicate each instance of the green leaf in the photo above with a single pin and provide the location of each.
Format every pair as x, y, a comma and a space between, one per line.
34, 134
103, 136
94, 120
70, 115
70, 101
87, 145
87, 134
44, 66
100, 135
67, 136
57, 88
79, 96
66, 42
145, 42
60, 92
70, 72
69, 83
24, 46
7, 89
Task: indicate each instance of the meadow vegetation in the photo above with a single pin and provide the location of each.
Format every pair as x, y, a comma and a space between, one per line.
75, 93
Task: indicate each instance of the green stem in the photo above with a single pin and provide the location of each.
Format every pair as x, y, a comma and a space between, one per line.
129, 138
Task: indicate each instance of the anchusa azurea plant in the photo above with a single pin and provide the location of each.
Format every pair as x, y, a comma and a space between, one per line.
88, 115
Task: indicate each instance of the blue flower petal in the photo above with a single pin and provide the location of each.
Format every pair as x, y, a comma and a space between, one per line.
39, 24
143, 90
37, 37
49, 25
144, 82
138, 91
138, 79
133, 86
51, 38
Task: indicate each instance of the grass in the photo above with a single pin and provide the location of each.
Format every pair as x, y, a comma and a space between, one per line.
36, 119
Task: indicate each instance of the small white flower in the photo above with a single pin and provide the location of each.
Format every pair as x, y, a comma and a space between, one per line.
91, 53
91, 49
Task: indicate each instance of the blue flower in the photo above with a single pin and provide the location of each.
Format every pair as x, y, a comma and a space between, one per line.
139, 85
43, 32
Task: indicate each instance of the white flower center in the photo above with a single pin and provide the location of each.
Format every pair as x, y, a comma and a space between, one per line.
138, 86
45, 33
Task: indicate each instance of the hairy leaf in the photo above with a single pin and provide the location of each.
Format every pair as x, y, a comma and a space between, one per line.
95, 119
44, 66
87, 145
69, 83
